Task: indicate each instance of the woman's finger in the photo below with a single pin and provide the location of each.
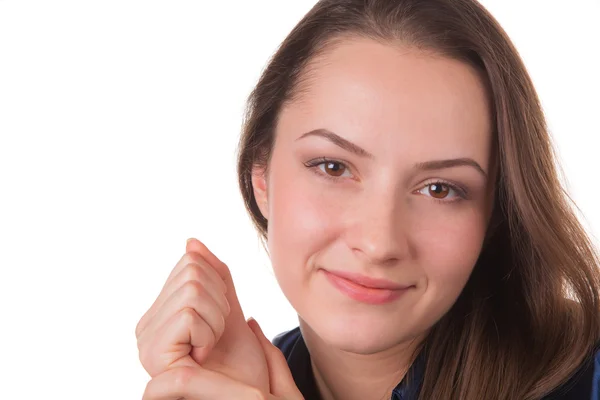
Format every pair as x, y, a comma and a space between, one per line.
184, 340
164, 341
191, 266
198, 384
281, 381
196, 251
199, 271
191, 295
195, 246
210, 305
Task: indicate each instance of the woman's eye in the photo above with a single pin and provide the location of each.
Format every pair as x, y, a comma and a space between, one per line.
333, 168
440, 191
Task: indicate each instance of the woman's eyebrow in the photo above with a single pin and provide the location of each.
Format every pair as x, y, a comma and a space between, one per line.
423, 166
338, 141
456, 162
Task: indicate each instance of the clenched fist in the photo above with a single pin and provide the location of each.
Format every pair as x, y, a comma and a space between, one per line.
196, 332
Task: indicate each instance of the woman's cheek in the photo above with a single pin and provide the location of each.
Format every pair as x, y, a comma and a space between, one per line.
449, 244
302, 217
301, 208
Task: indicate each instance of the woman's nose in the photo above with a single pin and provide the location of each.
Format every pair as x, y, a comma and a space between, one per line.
379, 232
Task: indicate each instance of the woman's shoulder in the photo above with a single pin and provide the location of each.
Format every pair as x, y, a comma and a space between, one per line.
286, 341
584, 384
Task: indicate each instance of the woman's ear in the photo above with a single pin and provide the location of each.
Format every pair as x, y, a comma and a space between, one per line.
259, 187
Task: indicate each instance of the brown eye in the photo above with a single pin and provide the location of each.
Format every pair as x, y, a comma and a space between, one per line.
443, 192
330, 169
333, 168
438, 190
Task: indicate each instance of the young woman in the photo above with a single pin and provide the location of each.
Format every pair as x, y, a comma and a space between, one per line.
396, 161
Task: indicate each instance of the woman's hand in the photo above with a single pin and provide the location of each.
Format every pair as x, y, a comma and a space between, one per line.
197, 321
197, 383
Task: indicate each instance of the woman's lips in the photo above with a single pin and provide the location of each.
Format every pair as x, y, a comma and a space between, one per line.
365, 289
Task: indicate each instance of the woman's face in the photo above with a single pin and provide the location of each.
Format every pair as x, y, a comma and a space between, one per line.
380, 169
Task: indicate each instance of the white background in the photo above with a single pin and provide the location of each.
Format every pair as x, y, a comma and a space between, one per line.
118, 126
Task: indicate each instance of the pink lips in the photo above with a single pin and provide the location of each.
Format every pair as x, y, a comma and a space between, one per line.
365, 289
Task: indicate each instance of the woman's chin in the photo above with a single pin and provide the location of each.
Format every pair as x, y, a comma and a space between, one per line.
359, 337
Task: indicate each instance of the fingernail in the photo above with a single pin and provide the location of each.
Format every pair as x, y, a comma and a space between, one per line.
255, 326
252, 323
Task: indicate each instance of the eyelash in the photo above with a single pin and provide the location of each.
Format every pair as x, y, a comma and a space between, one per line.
462, 193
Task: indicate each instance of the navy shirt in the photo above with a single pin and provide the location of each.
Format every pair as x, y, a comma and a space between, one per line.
583, 385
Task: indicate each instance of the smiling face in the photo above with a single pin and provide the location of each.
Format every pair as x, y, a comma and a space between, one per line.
379, 169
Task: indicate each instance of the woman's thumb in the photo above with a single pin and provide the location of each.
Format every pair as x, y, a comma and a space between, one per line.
280, 378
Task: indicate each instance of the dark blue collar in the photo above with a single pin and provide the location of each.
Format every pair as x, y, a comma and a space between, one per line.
292, 346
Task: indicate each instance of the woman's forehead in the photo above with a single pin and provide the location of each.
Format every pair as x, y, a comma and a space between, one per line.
373, 93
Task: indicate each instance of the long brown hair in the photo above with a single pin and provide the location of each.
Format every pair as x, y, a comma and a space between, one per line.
513, 333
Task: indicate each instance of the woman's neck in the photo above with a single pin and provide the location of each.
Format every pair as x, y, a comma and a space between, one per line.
341, 375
